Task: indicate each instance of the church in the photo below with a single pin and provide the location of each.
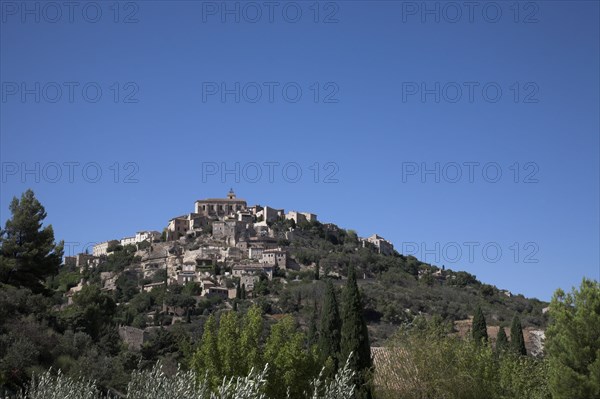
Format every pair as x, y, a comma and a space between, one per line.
211, 207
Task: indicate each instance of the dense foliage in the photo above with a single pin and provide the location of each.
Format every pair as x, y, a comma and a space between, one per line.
28, 253
425, 360
304, 323
573, 342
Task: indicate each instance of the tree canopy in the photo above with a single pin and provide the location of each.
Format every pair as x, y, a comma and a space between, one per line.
573, 342
28, 253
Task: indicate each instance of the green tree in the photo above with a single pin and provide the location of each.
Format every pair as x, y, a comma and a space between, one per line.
479, 329
329, 329
501, 340
206, 360
517, 341
312, 334
355, 336
92, 310
573, 342
228, 344
290, 366
250, 340
28, 253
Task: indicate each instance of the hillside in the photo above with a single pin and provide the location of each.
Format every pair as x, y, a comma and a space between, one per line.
395, 288
149, 297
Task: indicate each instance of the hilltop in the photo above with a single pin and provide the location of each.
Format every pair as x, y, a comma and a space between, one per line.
226, 252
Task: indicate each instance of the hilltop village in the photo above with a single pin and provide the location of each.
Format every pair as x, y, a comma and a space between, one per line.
224, 246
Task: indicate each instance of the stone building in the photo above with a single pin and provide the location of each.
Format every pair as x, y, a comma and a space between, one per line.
228, 230
268, 214
141, 236
250, 269
310, 217
274, 257
248, 281
79, 260
133, 337
187, 273
245, 216
383, 246
301, 216
223, 292
255, 253
196, 221
219, 207
177, 227
102, 248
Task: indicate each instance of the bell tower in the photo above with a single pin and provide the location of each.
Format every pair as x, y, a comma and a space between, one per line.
231, 194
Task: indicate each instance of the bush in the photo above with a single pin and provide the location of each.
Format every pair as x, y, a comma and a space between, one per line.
156, 384
425, 361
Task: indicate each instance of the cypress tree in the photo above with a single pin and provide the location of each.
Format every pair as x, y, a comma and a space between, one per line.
312, 334
517, 341
355, 336
479, 329
330, 327
501, 340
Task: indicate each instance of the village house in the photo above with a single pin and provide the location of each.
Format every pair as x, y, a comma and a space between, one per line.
228, 230
274, 257
132, 337
255, 252
141, 236
224, 293
206, 284
298, 217
233, 253
245, 216
79, 260
268, 214
383, 246
187, 274
177, 227
248, 281
102, 248
253, 268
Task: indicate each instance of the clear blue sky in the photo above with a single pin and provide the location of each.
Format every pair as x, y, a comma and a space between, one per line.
368, 82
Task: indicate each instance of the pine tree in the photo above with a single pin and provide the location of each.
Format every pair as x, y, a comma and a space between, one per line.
573, 342
355, 336
501, 340
517, 341
28, 253
479, 328
330, 327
